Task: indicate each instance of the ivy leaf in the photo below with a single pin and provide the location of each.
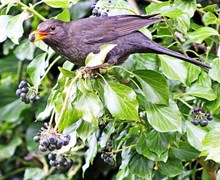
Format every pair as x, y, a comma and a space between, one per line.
12, 111
192, 73
91, 152
99, 58
200, 34
25, 50
36, 68
188, 7
164, 118
185, 152
31, 173
154, 86
140, 166
182, 23
171, 168
7, 150
57, 3
195, 135
210, 18
153, 145
214, 72
64, 16
173, 68
4, 19
210, 145
15, 26
121, 101
92, 109
214, 105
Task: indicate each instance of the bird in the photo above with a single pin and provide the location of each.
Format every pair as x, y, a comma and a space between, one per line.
74, 40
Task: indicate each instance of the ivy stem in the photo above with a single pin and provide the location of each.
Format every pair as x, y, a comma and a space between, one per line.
19, 72
127, 147
50, 66
51, 118
31, 9
75, 170
66, 100
184, 102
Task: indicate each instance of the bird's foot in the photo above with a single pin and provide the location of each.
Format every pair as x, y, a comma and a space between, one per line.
98, 66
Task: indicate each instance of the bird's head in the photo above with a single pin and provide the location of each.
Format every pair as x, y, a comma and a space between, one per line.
51, 30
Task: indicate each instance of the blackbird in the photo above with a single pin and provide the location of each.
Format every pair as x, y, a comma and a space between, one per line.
74, 40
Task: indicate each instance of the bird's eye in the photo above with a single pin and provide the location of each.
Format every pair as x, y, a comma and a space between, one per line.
53, 27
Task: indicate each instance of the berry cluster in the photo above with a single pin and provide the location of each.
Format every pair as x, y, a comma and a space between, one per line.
201, 118
107, 154
27, 94
60, 162
99, 9
49, 139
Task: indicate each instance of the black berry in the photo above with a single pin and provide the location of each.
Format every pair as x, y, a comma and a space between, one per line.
52, 156
195, 122
52, 139
36, 138
203, 123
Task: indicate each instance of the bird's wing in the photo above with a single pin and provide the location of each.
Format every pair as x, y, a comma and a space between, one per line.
105, 29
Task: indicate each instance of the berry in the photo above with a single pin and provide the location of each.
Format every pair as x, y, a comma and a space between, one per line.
24, 89
197, 110
52, 156
95, 12
203, 123
23, 83
110, 160
61, 160
52, 147
52, 139
36, 138
209, 116
195, 122
67, 136
44, 142
53, 163
104, 156
68, 162
23, 95
59, 143
66, 141
42, 148
104, 14
18, 92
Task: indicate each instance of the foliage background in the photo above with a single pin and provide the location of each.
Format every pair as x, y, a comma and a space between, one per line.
145, 104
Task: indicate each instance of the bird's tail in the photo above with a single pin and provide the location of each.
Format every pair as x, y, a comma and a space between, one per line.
156, 48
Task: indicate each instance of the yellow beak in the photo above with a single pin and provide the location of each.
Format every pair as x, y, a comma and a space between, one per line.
37, 36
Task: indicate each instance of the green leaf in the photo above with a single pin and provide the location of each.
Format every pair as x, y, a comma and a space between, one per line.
201, 34
173, 68
12, 111
57, 3
210, 18
153, 145
171, 168
93, 108
140, 166
121, 101
195, 135
154, 86
15, 26
8, 150
214, 72
99, 58
91, 152
213, 106
85, 130
192, 73
25, 50
210, 145
156, 7
171, 12
4, 19
32, 173
189, 7
164, 118
109, 129
36, 68
185, 152
64, 16
182, 23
